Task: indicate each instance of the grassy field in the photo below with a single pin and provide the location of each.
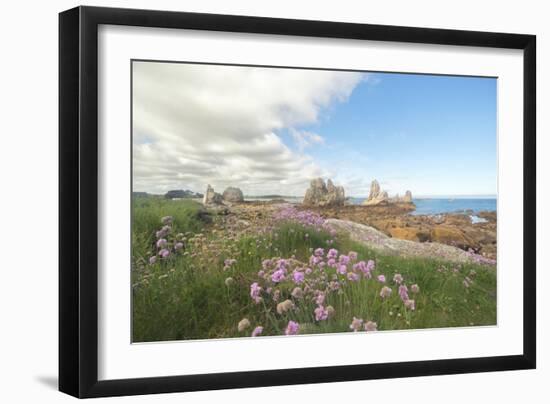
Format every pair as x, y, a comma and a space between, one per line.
194, 279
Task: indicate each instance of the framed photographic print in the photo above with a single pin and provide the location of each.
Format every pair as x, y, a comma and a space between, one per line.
250, 201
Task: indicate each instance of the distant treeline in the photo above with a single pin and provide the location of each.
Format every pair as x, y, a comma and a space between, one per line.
173, 194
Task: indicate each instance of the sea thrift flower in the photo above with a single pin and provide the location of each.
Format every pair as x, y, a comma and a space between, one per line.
161, 233
352, 276
255, 290
331, 263
285, 306
292, 328
356, 324
261, 273
342, 269
298, 276
344, 260
164, 253
278, 276
332, 253
320, 313
415, 288
319, 252
167, 220
229, 281
308, 271
397, 278
381, 278
257, 331
161, 243
352, 255
320, 298
403, 292
385, 292
371, 326
370, 265
409, 304
152, 260
178, 246
276, 295
243, 324
297, 293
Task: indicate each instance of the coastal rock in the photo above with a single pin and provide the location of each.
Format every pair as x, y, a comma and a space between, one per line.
321, 194
453, 236
233, 194
376, 196
409, 233
374, 190
376, 240
211, 197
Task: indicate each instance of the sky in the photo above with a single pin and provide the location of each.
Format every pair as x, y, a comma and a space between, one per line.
273, 130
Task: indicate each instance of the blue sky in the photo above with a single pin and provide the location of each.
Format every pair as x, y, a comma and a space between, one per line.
273, 130
434, 135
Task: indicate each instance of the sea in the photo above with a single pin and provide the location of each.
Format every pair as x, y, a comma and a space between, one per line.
431, 206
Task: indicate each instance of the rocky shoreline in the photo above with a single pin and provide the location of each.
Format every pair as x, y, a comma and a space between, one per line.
378, 215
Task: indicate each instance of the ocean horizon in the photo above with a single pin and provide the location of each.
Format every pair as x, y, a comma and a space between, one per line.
424, 205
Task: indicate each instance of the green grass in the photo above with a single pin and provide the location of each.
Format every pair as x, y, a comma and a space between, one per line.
188, 215
185, 297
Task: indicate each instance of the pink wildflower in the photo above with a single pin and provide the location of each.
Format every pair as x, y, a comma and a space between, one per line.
255, 290
342, 269
381, 278
278, 276
292, 328
298, 276
397, 278
297, 293
320, 299
257, 331
403, 292
161, 243
356, 324
415, 288
243, 325
385, 292
352, 276
371, 326
320, 313
409, 304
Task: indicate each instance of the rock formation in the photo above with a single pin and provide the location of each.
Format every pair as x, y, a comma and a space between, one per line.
211, 197
378, 197
321, 194
233, 194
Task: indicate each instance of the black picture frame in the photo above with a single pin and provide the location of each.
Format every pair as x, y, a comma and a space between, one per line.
78, 200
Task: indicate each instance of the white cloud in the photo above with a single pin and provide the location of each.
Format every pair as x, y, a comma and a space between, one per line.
305, 139
200, 124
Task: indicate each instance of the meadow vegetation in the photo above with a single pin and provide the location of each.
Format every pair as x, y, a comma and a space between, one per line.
194, 277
